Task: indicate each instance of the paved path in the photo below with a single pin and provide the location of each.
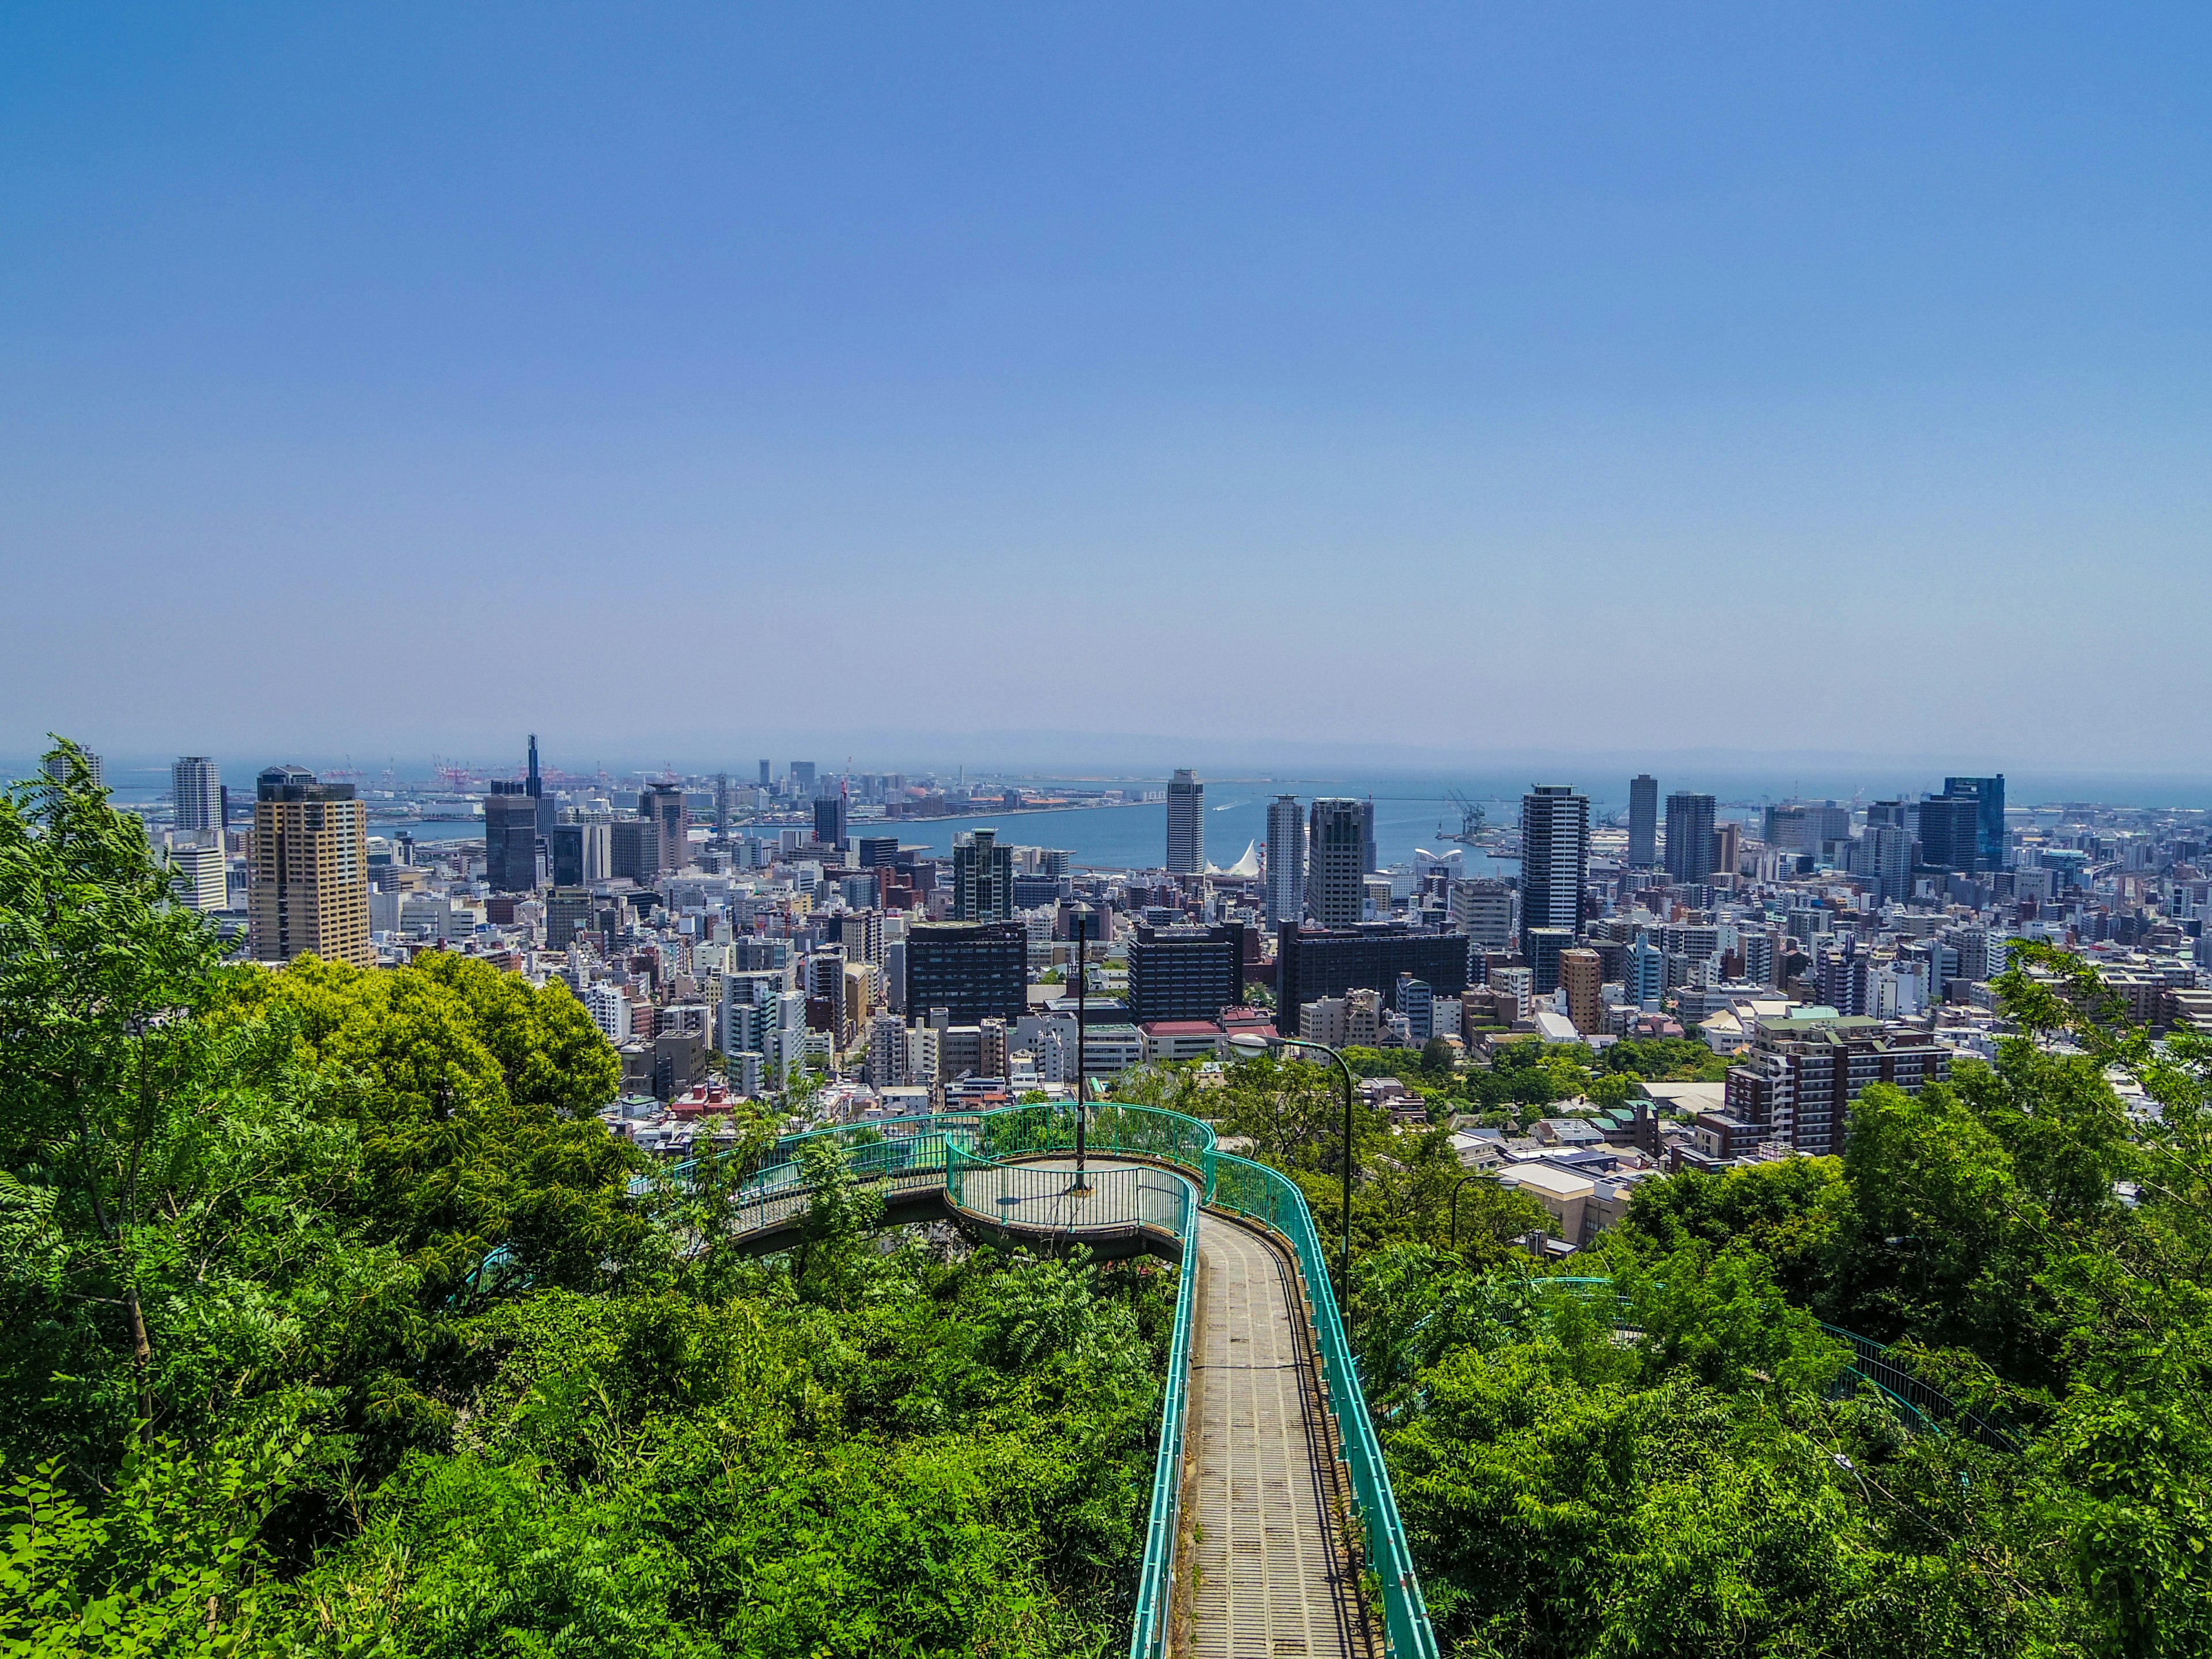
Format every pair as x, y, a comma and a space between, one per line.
1271, 1579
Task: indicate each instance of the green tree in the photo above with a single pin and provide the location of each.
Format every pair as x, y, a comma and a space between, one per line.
101, 976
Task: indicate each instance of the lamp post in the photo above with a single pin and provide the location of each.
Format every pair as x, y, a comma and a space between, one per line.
1258, 1045
1081, 919
1479, 1175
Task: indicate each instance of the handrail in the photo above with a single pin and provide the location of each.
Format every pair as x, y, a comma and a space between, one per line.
908, 1152
1870, 1363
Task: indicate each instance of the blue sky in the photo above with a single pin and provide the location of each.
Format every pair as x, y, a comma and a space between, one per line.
1472, 378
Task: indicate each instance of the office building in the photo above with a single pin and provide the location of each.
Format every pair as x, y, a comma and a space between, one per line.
510, 839
830, 820
1728, 847
1643, 821
1951, 832
1482, 909
802, 777
872, 851
198, 873
1886, 860
570, 914
982, 877
972, 970
1800, 1077
1542, 947
1689, 837
308, 892
1987, 795
581, 853
634, 847
767, 776
1554, 860
1284, 894
196, 786
1186, 824
1580, 977
662, 805
1336, 862
1312, 964
1185, 973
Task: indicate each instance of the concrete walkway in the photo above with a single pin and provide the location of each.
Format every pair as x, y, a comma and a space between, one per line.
1271, 1576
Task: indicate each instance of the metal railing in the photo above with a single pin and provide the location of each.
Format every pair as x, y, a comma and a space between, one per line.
947, 1149
1872, 1364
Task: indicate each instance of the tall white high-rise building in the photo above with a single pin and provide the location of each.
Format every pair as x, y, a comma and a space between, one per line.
1186, 824
1285, 890
196, 784
58, 773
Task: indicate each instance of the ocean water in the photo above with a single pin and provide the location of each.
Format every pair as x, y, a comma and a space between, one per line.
1410, 810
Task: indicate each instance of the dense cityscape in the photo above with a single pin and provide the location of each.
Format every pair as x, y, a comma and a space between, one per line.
728, 938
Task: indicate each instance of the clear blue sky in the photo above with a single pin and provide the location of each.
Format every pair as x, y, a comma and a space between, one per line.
1474, 377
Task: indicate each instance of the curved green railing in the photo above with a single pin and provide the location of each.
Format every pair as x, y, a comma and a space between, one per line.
920, 1152
1870, 1364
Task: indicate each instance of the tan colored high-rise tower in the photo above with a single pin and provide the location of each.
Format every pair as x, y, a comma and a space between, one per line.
309, 890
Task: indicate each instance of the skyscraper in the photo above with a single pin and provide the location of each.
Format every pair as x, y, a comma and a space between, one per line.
663, 803
510, 838
308, 889
982, 877
634, 850
1186, 824
1988, 796
195, 784
802, 777
830, 820
1643, 821
1885, 857
767, 776
547, 808
1336, 859
1554, 857
1950, 832
1690, 837
1285, 893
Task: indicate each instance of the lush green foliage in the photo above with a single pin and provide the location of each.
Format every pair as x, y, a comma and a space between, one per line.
336, 1328
1710, 1484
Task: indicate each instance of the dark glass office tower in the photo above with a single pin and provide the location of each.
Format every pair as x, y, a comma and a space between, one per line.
1690, 837
1989, 797
1554, 859
1643, 821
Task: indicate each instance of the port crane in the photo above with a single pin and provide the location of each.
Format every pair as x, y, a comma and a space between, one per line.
1470, 819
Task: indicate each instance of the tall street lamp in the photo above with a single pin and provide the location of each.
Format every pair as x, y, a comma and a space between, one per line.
1081, 918
1252, 1046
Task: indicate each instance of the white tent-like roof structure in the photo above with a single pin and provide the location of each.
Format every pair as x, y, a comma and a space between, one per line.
1245, 868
